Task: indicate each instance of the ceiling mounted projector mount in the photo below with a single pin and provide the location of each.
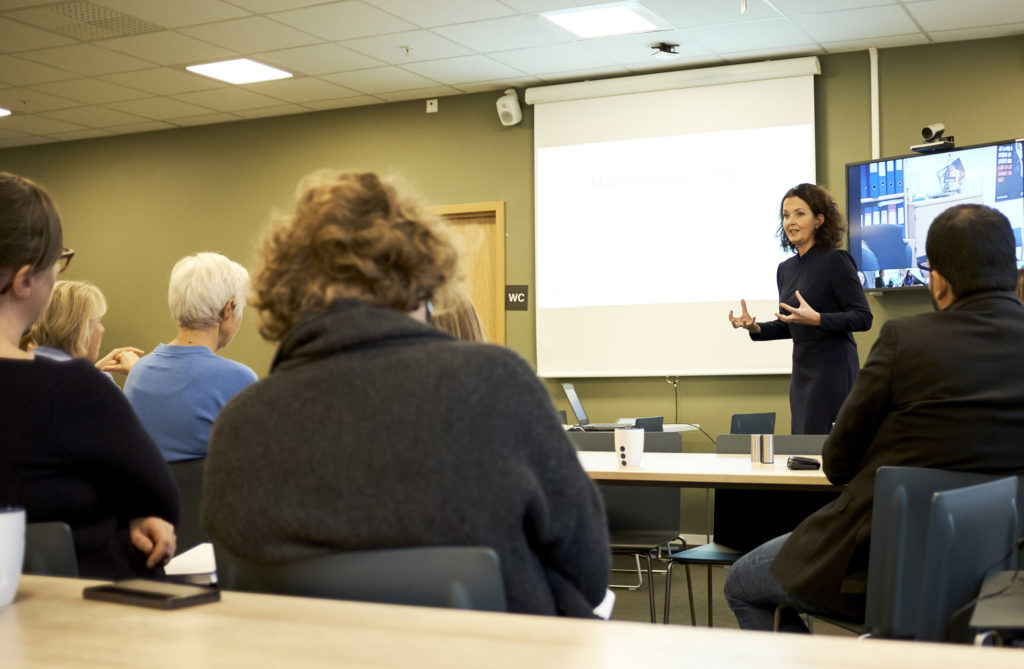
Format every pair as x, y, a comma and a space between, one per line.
664, 51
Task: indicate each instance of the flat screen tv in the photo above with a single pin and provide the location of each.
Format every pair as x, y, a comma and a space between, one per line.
891, 202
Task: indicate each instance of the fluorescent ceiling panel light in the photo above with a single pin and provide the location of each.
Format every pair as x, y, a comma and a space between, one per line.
617, 18
4, 112
239, 71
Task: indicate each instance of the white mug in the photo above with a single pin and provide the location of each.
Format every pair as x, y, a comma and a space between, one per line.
629, 446
12, 551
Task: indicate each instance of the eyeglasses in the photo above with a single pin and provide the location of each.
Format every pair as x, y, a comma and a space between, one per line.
64, 259
924, 267
62, 262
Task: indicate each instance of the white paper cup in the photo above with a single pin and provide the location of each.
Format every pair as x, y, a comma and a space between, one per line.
12, 551
629, 446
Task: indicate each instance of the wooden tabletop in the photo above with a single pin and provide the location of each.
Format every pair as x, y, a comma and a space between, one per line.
51, 625
700, 470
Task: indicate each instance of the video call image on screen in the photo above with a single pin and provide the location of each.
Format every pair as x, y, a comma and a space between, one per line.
892, 202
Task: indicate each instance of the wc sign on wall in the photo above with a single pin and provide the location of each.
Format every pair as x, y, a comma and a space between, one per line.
516, 298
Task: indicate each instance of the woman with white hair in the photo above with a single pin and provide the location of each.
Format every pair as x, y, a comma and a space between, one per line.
178, 389
71, 327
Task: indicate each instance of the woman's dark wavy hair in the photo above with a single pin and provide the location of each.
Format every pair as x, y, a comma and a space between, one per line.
30, 230
830, 234
351, 236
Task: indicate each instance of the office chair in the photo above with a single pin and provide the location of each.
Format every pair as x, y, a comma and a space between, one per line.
189, 476
650, 424
50, 550
642, 520
753, 423
457, 577
971, 532
745, 519
889, 246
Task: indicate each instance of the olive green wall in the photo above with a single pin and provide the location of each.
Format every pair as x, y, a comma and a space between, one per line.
134, 204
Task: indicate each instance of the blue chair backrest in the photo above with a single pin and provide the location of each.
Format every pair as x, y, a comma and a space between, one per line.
900, 510
971, 532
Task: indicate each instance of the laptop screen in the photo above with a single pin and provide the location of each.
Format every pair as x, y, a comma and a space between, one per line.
574, 402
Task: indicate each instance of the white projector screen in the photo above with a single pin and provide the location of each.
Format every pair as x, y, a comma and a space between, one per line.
655, 213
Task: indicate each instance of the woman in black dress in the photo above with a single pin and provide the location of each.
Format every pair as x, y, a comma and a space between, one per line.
824, 303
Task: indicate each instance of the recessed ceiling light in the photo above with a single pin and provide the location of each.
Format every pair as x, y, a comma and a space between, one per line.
239, 71
5, 112
614, 18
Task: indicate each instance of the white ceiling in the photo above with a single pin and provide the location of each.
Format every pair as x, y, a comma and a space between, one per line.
91, 68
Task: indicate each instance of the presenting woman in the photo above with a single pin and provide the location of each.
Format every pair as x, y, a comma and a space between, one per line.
823, 304
71, 327
376, 430
72, 449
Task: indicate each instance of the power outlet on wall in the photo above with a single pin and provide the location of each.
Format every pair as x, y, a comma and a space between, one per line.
432, 106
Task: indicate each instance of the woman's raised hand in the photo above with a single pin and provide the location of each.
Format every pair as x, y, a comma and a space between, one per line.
744, 320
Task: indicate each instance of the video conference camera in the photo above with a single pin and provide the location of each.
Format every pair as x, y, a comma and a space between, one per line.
934, 140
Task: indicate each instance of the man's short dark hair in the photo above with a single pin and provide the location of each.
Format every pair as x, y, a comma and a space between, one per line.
972, 246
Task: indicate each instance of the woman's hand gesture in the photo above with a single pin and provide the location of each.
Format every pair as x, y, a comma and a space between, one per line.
744, 320
802, 314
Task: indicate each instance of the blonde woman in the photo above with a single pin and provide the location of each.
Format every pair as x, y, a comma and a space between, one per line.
71, 327
455, 314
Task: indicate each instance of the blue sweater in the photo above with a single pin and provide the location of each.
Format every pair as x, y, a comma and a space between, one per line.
177, 392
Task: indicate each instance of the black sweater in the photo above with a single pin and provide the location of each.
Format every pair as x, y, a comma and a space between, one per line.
376, 431
73, 450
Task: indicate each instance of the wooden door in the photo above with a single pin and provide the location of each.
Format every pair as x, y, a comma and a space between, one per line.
479, 229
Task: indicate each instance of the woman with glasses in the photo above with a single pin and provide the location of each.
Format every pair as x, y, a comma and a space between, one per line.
73, 450
376, 430
71, 327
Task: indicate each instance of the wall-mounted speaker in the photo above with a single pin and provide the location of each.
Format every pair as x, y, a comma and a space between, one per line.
509, 111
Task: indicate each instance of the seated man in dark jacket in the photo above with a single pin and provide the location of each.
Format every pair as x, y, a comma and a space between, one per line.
928, 384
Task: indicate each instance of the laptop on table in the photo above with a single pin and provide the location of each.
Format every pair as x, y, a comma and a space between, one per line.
582, 422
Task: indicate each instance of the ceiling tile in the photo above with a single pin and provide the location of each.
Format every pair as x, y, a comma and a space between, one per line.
749, 36
710, 12
166, 48
159, 108
87, 59
38, 125
91, 91
21, 72
20, 37
977, 33
878, 42
163, 81
429, 13
266, 6
94, 117
342, 103
265, 112
856, 23
956, 14
379, 80
343, 20
420, 93
547, 5
636, 49
317, 59
499, 85
251, 34
31, 101
301, 90
206, 119
793, 7
464, 70
176, 13
408, 47
552, 58
516, 32
88, 133
228, 99
148, 126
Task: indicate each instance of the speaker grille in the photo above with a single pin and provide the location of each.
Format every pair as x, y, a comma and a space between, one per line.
83, 20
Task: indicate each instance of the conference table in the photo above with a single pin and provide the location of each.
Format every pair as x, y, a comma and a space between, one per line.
702, 470
51, 625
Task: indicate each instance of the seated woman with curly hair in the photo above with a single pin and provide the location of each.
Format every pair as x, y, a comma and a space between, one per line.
71, 327
376, 430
